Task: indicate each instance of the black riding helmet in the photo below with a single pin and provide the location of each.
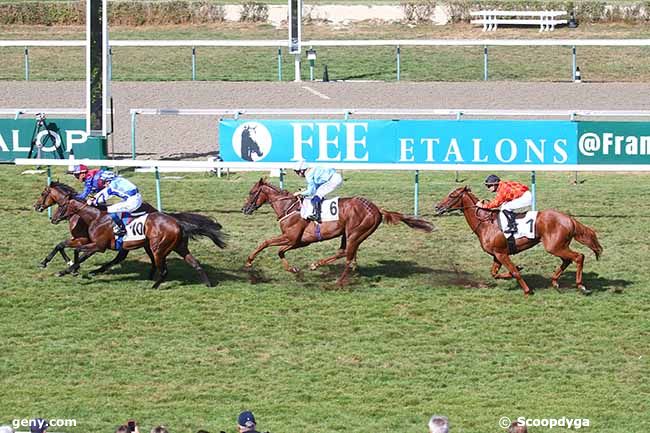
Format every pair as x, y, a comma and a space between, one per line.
492, 179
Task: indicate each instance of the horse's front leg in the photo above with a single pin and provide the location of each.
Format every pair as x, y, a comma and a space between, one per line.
280, 240
58, 248
514, 271
496, 266
74, 267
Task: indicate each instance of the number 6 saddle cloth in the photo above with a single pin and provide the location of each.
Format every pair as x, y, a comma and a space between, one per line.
329, 210
525, 224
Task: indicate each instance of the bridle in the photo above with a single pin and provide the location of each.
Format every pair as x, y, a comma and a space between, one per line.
255, 206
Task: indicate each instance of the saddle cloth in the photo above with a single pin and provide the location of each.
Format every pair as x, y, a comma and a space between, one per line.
329, 209
525, 224
135, 228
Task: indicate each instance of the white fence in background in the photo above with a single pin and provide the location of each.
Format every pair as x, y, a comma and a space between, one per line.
397, 43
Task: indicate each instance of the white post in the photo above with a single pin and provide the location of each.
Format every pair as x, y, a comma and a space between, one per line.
296, 64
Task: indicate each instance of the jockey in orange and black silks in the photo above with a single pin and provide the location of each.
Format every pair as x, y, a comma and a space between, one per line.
106, 184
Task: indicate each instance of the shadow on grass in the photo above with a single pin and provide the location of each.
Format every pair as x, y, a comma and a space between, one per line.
179, 273
591, 280
404, 269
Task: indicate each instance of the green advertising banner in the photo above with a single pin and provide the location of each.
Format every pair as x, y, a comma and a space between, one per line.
47, 138
614, 143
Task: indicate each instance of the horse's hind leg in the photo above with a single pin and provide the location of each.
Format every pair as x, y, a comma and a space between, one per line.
567, 255
152, 271
339, 254
353, 243
184, 252
121, 255
556, 275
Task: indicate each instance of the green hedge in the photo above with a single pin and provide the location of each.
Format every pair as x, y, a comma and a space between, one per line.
135, 13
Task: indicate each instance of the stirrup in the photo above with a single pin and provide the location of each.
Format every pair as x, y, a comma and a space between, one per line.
119, 231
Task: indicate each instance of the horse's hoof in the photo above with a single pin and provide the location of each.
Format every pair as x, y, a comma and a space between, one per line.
61, 274
555, 285
294, 270
92, 274
585, 291
313, 266
42, 265
248, 265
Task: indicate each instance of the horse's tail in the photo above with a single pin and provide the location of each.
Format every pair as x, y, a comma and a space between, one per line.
194, 225
587, 237
411, 221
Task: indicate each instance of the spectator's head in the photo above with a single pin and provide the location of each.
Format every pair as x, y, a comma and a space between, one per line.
517, 427
38, 425
438, 424
159, 429
6, 429
246, 421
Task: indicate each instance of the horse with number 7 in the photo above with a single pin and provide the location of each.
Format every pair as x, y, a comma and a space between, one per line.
553, 229
358, 218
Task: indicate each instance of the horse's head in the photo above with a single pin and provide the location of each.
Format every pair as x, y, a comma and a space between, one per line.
55, 192
63, 212
256, 197
453, 201
45, 200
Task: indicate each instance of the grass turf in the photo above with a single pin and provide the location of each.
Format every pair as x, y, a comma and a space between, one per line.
421, 329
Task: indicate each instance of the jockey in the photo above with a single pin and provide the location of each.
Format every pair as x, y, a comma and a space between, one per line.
106, 184
320, 182
512, 197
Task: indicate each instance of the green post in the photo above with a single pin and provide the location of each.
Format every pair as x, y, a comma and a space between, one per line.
158, 199
133, 114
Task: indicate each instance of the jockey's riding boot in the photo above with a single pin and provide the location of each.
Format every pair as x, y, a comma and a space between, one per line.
512, 222
316, 204
118, 225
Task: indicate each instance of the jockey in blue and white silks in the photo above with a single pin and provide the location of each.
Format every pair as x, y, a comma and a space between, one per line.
320, 182
107, 184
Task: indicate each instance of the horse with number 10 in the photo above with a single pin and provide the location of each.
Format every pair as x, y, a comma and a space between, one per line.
553, 229
358, 219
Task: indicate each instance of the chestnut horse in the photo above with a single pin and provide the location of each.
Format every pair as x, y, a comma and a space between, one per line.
57, 192
554, 229
358, 219
163, 234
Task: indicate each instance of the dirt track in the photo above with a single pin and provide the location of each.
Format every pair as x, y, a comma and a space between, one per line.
196, 136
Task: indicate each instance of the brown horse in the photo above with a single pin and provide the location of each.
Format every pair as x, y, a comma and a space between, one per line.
554, 229
358, 219
163, 234
57, 192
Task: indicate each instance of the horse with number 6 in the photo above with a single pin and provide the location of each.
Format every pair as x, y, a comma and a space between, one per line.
358, 218
554, 229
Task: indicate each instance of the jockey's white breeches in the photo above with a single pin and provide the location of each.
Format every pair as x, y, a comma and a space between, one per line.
129, 205
329, 186
520, 204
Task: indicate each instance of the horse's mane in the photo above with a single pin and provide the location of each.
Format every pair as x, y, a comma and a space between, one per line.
67, 189
275, 188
